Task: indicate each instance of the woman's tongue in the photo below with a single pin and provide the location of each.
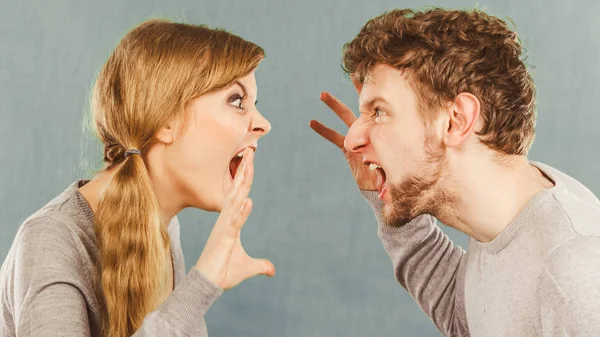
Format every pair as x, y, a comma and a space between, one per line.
234, 164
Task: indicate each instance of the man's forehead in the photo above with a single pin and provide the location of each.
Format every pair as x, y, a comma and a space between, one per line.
382, 80
370, 89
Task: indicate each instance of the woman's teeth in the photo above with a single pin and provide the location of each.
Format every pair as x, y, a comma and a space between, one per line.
240, 154
373, 166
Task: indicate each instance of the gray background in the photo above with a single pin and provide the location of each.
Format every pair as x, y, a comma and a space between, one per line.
333, 276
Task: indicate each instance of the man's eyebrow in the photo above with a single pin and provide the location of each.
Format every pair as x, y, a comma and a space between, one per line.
372, 102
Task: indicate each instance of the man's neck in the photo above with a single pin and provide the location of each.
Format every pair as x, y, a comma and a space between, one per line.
490, 195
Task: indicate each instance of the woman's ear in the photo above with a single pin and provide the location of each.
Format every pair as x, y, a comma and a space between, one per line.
166, 133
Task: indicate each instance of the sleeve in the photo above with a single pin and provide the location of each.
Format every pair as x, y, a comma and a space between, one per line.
182, 314
50, 277
47, 282
429, 266
569, 289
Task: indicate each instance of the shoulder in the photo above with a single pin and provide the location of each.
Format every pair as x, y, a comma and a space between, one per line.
46, 246
46, 229
45, 257
568, 283
57, 229
573, 269
574, 205
576, 256
575, 188
55, 242
568, 287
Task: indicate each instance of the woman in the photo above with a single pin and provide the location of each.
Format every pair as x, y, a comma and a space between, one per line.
174, 106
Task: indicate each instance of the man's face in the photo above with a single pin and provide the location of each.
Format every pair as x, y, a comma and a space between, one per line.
391, 133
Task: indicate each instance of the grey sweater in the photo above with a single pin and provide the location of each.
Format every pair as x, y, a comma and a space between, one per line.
47, 285
539, 277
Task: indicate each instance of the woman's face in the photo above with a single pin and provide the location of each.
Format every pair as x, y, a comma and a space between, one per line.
203, 157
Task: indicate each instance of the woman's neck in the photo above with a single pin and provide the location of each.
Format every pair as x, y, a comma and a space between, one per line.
91, 192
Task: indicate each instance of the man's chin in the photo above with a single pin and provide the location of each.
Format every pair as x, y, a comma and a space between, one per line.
389, 216
397, 213
387, 212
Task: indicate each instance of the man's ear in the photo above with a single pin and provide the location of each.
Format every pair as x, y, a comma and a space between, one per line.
462, 116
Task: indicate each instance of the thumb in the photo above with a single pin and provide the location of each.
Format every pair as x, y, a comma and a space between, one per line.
261, 267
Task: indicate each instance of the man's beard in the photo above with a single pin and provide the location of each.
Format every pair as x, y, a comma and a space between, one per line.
420, 193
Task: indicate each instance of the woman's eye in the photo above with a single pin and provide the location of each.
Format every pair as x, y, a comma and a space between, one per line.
237, 101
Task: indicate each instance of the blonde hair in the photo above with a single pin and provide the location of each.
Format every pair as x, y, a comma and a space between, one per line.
153, 72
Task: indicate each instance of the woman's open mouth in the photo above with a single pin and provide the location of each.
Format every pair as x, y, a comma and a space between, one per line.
235, 163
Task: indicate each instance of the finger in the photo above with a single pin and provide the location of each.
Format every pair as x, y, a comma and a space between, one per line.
236, 210
248, 177
328, 133
239, 219
239, 192
229, 225
340, 109
261, 267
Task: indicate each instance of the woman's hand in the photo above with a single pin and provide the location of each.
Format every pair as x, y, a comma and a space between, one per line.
224, 261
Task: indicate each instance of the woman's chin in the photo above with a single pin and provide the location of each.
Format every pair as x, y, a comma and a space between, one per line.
217, 205
213, 204
211, 208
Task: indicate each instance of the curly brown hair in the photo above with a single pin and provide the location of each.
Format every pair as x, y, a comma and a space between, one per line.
445, 52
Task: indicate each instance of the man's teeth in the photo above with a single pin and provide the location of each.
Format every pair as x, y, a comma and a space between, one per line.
241, 154
373, 166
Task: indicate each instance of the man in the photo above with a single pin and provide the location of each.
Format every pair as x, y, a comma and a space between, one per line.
447, 114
